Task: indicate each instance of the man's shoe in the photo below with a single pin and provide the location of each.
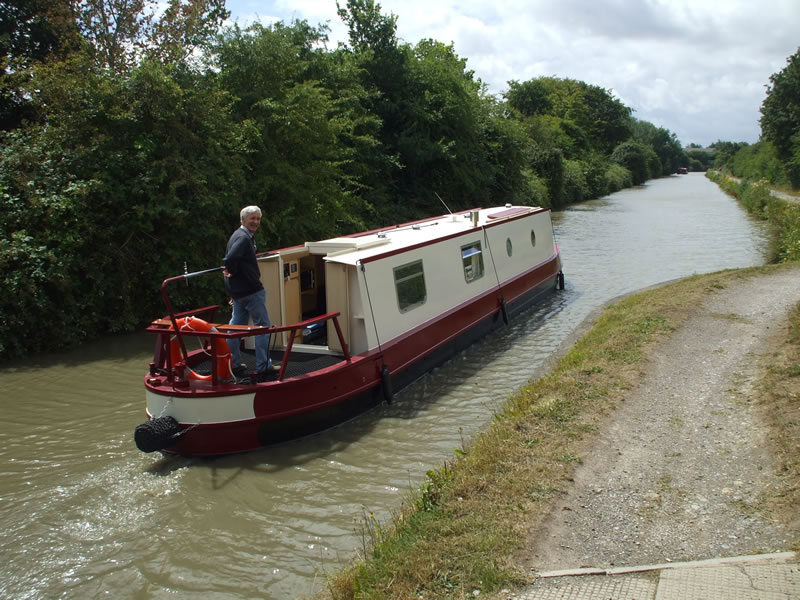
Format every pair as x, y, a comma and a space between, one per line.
240, 370
269, 373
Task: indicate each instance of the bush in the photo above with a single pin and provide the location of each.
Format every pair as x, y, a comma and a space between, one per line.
548, 163
537, 189
576, 188
759, 161
635, 157
595, 169
618, 178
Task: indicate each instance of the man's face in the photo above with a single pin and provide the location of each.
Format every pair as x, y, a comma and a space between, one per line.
251, 222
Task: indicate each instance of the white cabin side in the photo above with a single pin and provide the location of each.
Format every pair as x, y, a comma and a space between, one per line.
445, 284
521, 244
373, 280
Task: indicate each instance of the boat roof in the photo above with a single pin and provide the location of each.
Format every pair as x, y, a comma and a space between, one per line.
364, 247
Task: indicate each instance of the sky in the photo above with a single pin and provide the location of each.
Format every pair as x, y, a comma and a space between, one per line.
698, 68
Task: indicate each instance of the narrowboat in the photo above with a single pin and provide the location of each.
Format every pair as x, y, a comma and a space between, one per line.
354, 319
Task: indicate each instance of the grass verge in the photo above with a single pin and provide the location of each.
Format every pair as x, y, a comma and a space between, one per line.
780, 403
459, 532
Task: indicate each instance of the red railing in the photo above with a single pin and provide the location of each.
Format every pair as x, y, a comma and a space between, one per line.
167, 327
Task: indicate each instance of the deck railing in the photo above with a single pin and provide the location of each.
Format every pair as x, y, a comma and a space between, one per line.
168, 333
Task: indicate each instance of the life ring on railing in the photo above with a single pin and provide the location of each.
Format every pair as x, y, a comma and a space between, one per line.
222, 352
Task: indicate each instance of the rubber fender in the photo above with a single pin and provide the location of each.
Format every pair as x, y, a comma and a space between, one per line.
386, 385
156, 434
503, 310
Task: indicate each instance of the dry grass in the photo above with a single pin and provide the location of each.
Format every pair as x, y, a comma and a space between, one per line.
780, 403
461, 530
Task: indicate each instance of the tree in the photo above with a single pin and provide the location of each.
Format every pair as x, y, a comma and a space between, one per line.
31, 33
780, 111
724, 152
664, 144
306, 129
635, 157
529, 97
606, 120
590, 115
368, 28
120, 33
780, 116
110, 197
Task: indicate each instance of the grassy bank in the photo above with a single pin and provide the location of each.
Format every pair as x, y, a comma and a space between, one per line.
460, 531
758, 200
780, 397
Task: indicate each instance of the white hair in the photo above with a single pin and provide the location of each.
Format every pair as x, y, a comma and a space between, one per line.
249, 210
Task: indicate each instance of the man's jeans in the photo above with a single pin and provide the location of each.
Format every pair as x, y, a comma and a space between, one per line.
252, 307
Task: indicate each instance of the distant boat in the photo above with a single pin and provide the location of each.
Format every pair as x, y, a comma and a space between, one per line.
683, 171
355, 319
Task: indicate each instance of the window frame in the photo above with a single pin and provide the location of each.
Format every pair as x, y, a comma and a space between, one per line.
468, 261
404, 286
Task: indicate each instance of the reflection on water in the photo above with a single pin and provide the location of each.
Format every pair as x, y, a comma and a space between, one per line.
84, 514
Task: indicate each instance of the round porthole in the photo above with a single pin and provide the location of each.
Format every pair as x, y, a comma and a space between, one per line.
533, 238
509, 248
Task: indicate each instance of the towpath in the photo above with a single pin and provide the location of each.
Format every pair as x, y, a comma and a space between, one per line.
683, 469
777, 193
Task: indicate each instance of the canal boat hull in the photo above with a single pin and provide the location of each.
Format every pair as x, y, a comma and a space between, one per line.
209, 415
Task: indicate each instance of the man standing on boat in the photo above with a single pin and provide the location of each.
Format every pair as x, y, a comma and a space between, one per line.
243, 282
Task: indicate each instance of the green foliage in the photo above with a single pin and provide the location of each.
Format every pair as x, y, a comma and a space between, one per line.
637, 158
759, 161
305, 130
725, 151
119, 33
587, 127
665, 145
780, 111
587, 114
31, 33
548, 163
538, 194
369, 29
618, 178
529, 98
576, 187
430, 492
786, 217
700, 159
111, 197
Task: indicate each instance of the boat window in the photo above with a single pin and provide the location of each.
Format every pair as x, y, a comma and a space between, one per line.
533, 238
409, 281
472, 258
509, 247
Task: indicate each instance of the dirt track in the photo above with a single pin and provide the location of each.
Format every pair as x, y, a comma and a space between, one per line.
680, 471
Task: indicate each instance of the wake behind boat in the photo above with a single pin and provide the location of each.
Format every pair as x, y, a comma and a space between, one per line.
355, 319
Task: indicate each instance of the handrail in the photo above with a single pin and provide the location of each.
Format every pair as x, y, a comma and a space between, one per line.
226, 331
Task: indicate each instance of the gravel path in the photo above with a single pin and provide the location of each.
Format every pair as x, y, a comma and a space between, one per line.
681, 467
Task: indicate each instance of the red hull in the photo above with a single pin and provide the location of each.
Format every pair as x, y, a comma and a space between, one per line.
300, 405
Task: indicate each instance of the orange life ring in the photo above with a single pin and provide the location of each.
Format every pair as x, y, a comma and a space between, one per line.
222, 353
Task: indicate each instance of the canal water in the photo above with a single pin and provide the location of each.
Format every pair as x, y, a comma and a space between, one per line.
84, 514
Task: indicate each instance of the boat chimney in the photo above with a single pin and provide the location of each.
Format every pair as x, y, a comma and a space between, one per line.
474, 216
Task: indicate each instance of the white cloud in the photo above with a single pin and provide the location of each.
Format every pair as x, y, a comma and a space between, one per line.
695, 67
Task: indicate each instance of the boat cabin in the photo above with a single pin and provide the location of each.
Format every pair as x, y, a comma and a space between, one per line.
390, 281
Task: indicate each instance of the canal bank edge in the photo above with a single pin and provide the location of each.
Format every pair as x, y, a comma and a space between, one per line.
474, 492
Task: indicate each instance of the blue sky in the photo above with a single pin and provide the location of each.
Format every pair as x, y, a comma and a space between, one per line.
695, 67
